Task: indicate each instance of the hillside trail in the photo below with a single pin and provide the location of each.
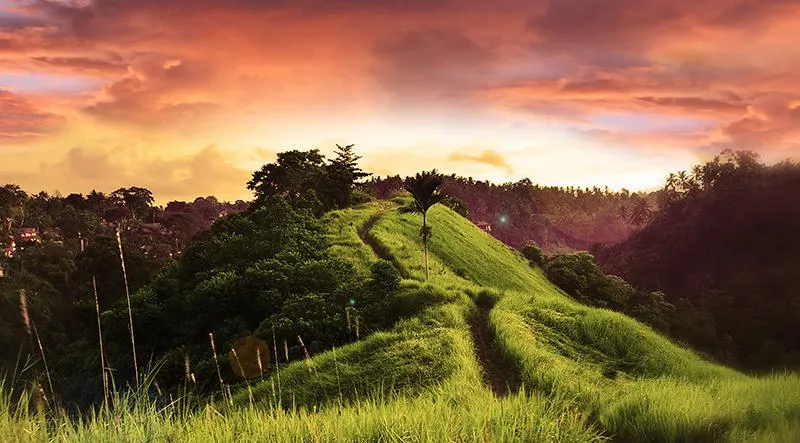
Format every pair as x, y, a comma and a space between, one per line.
363, 232
378, 250
495, 371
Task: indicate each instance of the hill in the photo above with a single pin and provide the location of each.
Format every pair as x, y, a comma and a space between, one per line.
586, 374
555, 218
633, 383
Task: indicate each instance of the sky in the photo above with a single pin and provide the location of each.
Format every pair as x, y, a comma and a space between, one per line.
188, 97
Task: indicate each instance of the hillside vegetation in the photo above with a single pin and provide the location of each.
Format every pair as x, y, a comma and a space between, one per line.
632, 382
587, 374
725, 250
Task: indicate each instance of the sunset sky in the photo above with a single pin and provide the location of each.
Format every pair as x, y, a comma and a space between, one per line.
188, 97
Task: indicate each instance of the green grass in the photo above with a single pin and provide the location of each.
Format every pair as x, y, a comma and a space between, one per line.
441, 416
589, 374
460, 253
636, 384
632, 382
419, 353
343, 236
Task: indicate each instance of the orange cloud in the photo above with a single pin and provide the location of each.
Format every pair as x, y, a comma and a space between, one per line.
772, 121
641, 77
487, 157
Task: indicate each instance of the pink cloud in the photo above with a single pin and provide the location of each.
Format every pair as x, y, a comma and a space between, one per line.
22, 121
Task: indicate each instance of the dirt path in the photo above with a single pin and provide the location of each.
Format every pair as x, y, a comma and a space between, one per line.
495, 372
363, 234
377, 249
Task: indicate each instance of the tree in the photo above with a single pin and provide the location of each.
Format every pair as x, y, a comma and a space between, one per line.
12, 205
457, 205
292, 176
424, 188
97, 202
342, 175
534, 254
640, 213
135, 199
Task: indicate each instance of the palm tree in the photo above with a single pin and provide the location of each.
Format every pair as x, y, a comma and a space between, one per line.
424, 188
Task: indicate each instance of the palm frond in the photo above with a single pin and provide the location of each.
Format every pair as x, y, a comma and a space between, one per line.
411, 208
436, 198
424, 188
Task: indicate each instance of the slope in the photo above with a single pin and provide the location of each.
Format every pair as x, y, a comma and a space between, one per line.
426, 357
633, 382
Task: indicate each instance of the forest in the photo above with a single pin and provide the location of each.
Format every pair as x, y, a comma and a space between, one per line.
724, 248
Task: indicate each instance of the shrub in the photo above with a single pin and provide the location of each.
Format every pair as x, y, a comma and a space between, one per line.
459, 206
385, 277
534, 254
574, 273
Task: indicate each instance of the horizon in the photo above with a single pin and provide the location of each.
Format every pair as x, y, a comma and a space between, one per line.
160, 202
188, 98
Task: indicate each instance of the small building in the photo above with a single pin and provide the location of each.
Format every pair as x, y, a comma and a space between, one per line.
9, 247
484, 225
28, 234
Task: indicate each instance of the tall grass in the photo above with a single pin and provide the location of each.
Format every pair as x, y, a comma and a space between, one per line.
478, 416
635, 384
103, 373
130, 312
33, 336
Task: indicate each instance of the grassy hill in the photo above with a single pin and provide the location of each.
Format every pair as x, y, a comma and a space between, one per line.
587, 374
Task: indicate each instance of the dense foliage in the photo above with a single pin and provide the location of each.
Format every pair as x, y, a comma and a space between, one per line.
725, 249
578, 275
557, 219
193, 269
305, 180
259, 273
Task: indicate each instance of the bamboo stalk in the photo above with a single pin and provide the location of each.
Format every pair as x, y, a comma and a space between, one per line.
277, 367
216, 363
130, 312
99, 328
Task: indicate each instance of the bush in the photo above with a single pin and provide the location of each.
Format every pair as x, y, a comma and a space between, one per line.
574, 273
534, 254
615, 291
385, 277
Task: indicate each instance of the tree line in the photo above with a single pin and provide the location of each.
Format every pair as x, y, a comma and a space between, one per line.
724, 248
557, 219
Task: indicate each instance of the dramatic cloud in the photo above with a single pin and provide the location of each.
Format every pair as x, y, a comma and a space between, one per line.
20, 120
771, 121
637, 81
85, 65
151, 94
699, 104
432, 64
